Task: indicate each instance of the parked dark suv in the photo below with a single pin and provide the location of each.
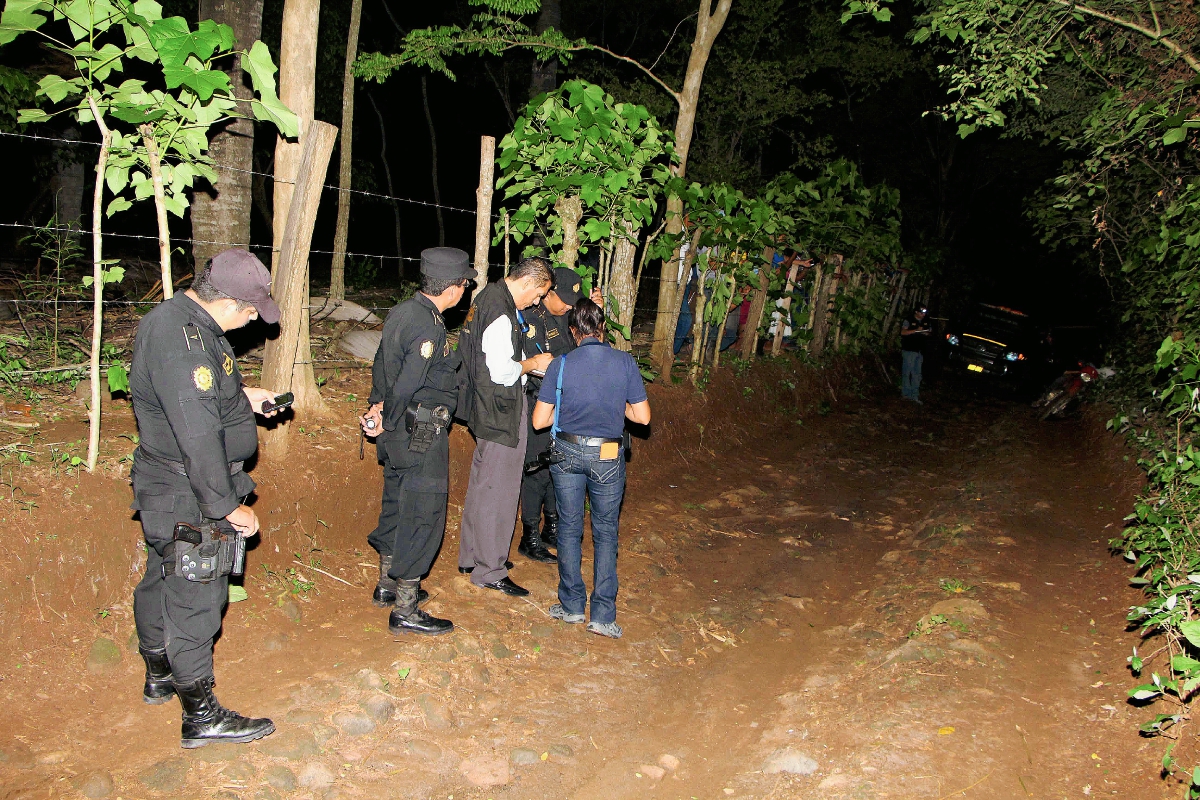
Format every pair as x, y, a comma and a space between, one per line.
996, 342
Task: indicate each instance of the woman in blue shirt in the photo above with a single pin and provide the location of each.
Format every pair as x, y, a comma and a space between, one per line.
585, 398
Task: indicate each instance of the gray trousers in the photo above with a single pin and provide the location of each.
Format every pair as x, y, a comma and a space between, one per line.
490, 508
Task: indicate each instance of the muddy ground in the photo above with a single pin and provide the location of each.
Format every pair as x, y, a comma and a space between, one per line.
880, 601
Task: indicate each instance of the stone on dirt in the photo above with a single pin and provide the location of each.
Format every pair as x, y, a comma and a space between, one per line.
165, 776
961, 608
303, 716
788, 760
499, 650
239, 770
291, 610
368, 678
485, 771
379, 707
426, 751
437, 713
281, 778
218, 751
103, 656
323, 733
95, 784
315, 775
524, 756
293, 745
480, 674
132, 643
275, 640
354, 723
17, 755
652, 771
668, 762
539, 631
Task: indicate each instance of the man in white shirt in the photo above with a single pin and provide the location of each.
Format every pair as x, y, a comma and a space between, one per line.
495, 410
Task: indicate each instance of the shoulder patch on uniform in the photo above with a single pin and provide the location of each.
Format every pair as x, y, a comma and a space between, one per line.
227, 365
202, 377
576, 287
426, 349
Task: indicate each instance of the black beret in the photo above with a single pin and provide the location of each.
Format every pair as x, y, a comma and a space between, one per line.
446, 263
567, 285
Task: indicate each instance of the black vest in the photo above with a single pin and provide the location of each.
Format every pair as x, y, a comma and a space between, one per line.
492, 411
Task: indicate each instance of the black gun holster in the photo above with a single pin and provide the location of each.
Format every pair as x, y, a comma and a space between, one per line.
424, 423
203, 553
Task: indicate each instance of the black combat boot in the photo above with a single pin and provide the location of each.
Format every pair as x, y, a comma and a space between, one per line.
385, 589
531, 545
406, 617
550, 530
205, 720
158, 688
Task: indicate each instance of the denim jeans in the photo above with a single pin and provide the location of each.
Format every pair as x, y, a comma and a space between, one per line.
910, 381
582, 475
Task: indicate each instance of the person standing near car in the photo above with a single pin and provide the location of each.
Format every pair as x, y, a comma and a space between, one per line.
585, 399
196, 425
414, 394
914, 338
495, 409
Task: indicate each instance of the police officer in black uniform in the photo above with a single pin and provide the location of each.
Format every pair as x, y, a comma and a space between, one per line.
197, 427
414, 394
546, 331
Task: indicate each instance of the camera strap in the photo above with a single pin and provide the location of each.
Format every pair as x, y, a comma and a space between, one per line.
562, 367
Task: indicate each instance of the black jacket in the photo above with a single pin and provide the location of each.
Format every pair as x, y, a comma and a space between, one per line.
413, 362
191, 412
492, 411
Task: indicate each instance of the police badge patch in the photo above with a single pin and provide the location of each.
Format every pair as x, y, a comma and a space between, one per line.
202, 377
426, 349
227, 365
532, 332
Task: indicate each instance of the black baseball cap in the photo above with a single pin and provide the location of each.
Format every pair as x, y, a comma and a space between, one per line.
242, 276
567, 285
446, 263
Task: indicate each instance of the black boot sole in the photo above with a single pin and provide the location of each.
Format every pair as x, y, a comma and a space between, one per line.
192, 744
153, 700
548, 558
397, 630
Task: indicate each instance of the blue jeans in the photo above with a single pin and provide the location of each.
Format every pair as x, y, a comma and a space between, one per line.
910, 380
582, 475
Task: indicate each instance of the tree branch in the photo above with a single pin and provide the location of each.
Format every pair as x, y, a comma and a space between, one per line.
1149, 33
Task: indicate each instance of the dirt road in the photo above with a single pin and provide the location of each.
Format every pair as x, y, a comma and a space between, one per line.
883, 602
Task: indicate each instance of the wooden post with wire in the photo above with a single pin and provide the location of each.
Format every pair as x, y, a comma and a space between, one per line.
506, 255
483, 207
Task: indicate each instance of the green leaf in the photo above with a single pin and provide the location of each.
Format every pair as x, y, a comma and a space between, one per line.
1191, 631
1174, 136
31, 115
20, 16
175, 42
55, 88
116, 206
118, 378
203, 82
268, 108
236, 593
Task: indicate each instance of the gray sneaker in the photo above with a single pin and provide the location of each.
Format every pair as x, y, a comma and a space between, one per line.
610, 629
558, 612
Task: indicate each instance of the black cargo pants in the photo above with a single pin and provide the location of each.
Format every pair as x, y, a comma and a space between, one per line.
412, 516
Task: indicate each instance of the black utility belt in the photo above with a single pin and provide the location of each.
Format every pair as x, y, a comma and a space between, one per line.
585, 441
177, 466
203, 553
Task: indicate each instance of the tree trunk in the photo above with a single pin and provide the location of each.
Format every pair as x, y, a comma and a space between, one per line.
287, 362
891, 315
97, 288
483, 207
545, 73
785, 311
570, 211
341, 235
297, 90
225, 215
67, 184
437, 191
160, 208
622, 287
708, 25
757, 305
387, 175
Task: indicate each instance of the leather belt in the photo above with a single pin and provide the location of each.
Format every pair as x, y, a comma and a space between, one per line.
177, 466
585, 441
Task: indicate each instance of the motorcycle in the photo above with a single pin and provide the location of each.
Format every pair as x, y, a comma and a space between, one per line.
1065, 390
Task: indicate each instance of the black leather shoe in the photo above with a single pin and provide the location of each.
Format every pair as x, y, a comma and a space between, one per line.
469, 570
531, 546
205, 720
506, 585
158, 688
418, 622
550, 531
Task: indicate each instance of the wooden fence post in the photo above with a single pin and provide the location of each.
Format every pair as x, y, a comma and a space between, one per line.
785, 318
758, 304
483, 206
287, 362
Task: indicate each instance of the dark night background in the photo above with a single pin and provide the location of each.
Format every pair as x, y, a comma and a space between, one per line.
860, 91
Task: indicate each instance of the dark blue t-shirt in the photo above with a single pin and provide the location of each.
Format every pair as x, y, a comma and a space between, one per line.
597, 384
